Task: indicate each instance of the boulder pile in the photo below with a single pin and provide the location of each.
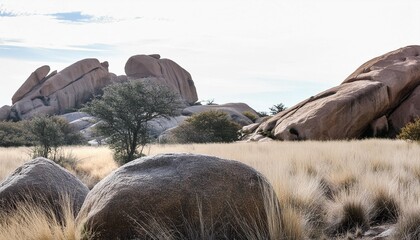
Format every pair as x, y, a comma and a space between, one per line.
164, 71
45, 93
58, 92
377, 100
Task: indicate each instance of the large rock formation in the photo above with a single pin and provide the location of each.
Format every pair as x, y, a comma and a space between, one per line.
234, 110
59, 92
164, 71
64, 91
383, 88
44, 183
180, 194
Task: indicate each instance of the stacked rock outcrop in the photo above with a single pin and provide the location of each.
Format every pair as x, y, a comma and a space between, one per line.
56, 93
164, 71
45, 93
383, 90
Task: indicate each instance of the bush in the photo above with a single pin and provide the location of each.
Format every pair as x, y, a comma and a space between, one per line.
276, 108
250, 115
14, 134
205, 127
411, 131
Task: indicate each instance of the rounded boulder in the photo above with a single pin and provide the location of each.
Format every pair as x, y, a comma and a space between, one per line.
184, 195
43, 183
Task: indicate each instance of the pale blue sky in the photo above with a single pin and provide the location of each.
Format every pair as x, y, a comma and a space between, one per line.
260, 52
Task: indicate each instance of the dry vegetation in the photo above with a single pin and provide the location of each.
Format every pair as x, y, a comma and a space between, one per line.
325, 188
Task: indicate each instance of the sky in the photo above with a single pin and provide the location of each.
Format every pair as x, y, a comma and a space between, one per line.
261, 52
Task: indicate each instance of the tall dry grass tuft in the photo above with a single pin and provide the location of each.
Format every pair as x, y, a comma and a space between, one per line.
385, 208
31, 221
348, 214
271, 224
408, 226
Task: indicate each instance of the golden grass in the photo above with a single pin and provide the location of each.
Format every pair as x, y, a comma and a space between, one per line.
314, 181
35, 222
12, 158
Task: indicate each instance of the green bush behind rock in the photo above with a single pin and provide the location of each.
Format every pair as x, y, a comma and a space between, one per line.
411, 131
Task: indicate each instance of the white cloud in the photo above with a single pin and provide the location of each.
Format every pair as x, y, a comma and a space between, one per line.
223, 44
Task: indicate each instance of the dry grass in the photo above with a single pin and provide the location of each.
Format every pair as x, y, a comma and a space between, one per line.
319, 184
12, 158
35, 222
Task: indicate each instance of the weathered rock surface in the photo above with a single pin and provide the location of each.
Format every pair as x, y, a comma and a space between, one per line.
36, 78
164, 71
5, 112
407, 111
160, 125
234, 110
176, 191
59, 92
352, 109
70, 117
44, 183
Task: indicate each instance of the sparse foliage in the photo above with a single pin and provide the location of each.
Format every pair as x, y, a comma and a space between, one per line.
411, 131
125, 110
49, 133
276, 108
210, 126
263, 114
210, 102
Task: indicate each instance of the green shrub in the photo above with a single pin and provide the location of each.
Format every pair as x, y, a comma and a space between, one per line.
14, 134
250, 115
205, 127
411, 131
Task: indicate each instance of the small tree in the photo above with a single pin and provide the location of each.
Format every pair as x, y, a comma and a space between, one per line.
277, 108
47, 136
210, 126
411, 131
263, 114
125, 110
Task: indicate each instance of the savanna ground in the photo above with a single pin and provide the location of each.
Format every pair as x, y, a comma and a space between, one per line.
325, 189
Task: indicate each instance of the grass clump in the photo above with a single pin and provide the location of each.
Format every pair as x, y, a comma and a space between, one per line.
348, 216
31, 221
407, 227
385, 208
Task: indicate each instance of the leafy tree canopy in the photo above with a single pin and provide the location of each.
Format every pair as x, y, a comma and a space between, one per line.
125, 110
